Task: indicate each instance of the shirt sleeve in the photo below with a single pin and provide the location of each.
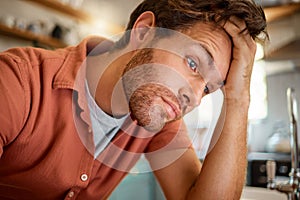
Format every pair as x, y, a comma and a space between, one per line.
12, 97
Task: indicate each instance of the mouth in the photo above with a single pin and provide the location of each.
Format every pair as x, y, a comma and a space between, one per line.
172, 109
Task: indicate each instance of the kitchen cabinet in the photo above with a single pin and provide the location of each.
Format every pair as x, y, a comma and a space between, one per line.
278, 12
45, 40
62, 8
28, 35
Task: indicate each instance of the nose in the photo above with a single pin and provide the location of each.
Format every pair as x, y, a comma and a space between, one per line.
190, 96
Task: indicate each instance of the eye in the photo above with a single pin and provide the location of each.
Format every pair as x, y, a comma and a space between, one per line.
206, 90
192, 64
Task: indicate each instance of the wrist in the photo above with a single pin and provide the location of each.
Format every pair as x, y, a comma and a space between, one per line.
236, 103
237, 98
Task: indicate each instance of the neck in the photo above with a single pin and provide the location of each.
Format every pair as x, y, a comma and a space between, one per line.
104, 73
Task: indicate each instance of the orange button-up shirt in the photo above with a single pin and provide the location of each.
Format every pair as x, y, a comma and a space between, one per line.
46, 143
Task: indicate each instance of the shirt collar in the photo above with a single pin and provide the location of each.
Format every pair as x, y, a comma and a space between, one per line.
72, 72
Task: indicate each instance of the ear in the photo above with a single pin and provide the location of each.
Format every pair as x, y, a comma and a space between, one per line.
141, 29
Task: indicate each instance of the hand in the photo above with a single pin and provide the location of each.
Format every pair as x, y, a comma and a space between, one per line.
244, 47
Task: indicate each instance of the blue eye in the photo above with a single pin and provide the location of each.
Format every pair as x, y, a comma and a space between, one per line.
192, 64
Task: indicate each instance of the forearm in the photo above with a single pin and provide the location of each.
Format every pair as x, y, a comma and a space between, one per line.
223, 171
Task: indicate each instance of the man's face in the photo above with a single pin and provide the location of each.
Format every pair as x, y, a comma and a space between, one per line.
168, 80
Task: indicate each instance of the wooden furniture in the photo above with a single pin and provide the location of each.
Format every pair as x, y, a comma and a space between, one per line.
63, 9
277, 12
272, 14
48, 41
27, 35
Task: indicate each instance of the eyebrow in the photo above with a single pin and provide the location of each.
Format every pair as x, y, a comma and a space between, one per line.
211, 62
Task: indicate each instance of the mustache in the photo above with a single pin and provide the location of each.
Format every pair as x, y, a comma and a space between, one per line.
183, 109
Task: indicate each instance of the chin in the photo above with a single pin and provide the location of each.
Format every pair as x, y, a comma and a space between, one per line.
154, 128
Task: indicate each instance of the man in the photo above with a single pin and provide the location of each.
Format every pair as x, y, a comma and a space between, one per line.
74, 121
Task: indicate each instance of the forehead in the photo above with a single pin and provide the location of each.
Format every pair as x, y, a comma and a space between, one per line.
211, 37
214, 38
201, 28
206, 40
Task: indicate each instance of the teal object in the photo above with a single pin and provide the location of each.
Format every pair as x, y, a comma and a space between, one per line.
140, 183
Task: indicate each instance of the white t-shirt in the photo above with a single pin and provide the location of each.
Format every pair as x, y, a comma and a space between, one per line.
104, 126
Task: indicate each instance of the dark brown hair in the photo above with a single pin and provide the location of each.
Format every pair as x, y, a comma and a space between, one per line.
182, 14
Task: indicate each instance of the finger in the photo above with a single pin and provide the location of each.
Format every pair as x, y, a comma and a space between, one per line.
244, 48
238, 23
237, 29
243, 43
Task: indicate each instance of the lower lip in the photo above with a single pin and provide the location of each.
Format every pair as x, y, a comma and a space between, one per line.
171, 113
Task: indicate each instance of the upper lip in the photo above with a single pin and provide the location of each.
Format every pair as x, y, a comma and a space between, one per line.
174, 106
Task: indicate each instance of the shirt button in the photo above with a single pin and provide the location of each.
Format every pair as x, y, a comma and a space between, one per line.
84, 177
71, 194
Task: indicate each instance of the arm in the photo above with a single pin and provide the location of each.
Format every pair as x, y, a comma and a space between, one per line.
12, 98
223, 172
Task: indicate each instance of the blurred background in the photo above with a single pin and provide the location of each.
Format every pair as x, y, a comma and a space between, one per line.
54, 24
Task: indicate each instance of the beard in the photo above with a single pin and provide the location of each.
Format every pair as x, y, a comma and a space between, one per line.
144, 92
147, 108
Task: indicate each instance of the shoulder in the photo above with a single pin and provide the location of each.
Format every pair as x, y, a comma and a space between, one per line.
33, 55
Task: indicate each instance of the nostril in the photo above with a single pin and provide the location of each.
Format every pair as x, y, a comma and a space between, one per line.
186, 98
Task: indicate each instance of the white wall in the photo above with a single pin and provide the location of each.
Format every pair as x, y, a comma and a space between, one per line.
281, 33
277, 107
